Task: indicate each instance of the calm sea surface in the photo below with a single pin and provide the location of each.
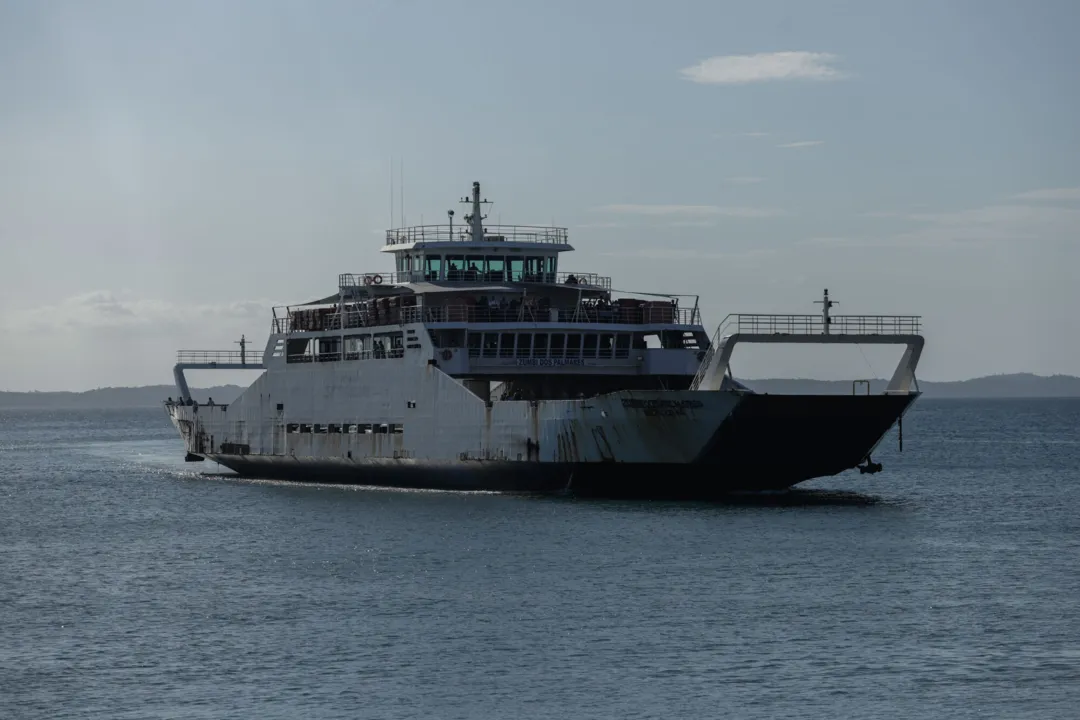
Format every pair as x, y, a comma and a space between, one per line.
133, 585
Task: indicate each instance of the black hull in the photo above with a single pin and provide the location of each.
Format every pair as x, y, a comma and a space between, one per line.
769, 442
783, 440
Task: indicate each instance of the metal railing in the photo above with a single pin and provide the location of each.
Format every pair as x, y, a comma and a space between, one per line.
815, 324
355, 316
662, 315
492, 233
392, 353
207, 357
509, 353
587, 280
714, 342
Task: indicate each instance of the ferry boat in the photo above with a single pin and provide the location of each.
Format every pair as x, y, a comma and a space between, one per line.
480, 364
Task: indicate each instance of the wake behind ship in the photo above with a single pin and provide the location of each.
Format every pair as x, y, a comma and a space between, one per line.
478, 364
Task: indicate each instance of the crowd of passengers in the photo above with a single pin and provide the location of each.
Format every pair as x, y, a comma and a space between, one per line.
475, 274
485, 308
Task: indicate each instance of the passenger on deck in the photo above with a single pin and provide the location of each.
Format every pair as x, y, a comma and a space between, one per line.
571, 280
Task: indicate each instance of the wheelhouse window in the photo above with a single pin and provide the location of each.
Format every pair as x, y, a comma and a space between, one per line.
517, 268
549, 269
455, 267
534, 269
432, 267
495, 268
474, 268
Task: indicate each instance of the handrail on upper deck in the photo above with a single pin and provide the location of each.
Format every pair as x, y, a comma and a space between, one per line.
363, 316
573, 279
549, 235
203, 357
761, 324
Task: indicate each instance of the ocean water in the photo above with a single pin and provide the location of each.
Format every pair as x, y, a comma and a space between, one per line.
133, 585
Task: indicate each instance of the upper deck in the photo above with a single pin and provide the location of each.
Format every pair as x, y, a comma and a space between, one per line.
473, 235
492, 236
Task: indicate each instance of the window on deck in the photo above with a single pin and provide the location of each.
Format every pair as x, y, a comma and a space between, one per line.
432, 267
506, 345
455, 267
534, 269
494, 268
474, 268
558, 345
524, 345
517, 268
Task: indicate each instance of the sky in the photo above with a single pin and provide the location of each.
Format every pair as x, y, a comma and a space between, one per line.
169, 171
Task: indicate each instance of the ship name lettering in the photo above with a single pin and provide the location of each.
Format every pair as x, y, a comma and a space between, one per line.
659, 407
548, 362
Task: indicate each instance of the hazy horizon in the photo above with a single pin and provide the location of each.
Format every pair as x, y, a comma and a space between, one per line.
206, 381
171, 171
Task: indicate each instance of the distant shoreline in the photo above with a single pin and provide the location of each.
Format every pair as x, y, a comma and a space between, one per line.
1018, 385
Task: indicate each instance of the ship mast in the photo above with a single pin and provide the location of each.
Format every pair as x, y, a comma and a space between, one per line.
474, 218
826, 303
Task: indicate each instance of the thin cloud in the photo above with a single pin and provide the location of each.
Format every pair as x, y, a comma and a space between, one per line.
981, 226
802, 144
692, 223
741, 134
601, 225
763, 67
689, 211
1050, 194
745, 180
662, 253
105, 309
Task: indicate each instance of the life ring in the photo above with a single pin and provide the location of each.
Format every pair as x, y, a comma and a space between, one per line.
446, 354
367, 279
377, 280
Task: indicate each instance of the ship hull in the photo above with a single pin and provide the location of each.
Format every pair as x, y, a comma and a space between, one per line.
766, 442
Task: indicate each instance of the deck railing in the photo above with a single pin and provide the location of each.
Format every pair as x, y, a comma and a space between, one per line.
206, 357
815, 324
492, 233
574, 279
354, 316
663, 315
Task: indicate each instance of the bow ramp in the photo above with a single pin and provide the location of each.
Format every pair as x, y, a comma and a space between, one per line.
824, 329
